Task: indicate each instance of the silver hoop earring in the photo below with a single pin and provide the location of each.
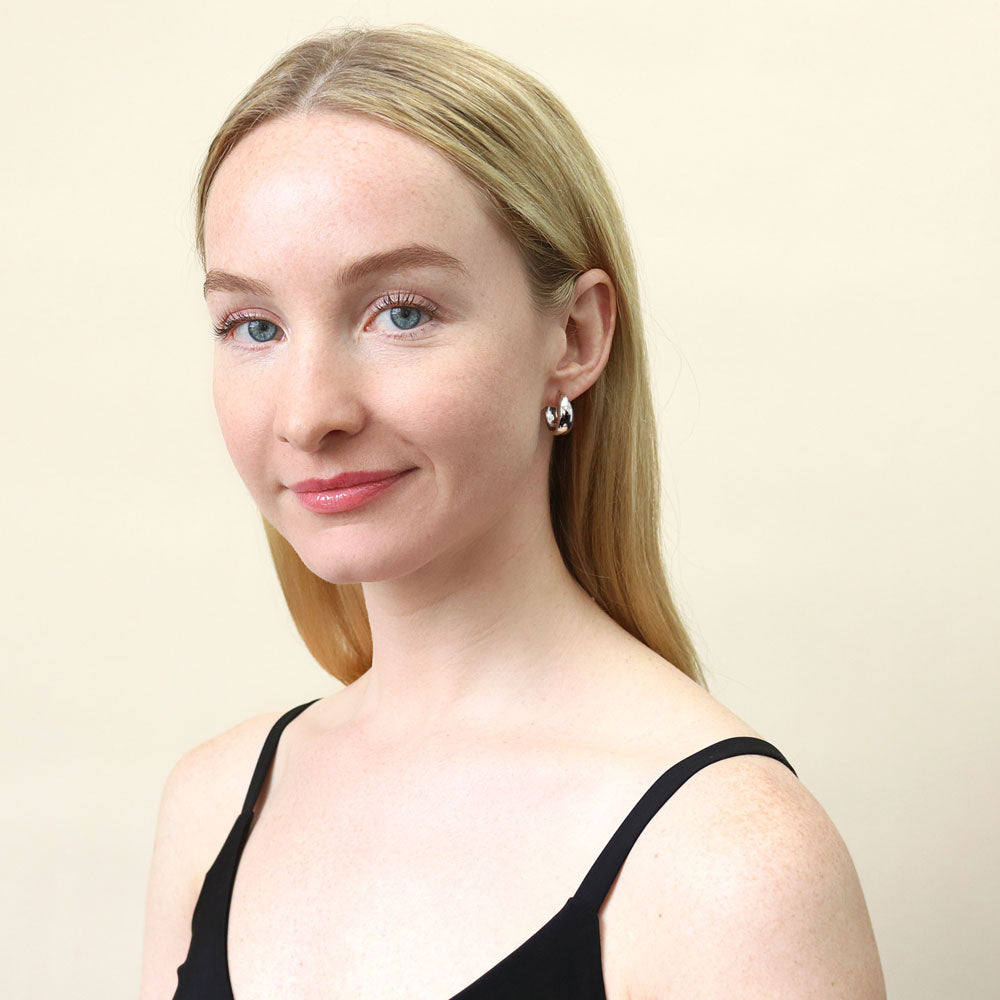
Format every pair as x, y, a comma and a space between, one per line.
560, 422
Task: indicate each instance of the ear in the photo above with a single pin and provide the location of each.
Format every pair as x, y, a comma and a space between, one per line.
589, 326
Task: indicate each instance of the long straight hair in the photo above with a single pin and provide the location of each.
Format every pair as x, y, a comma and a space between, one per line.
520, 146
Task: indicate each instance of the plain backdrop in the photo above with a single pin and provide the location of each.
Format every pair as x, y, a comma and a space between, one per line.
812, 192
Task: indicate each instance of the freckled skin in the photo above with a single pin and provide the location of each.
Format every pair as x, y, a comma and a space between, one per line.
293, 203
485, 648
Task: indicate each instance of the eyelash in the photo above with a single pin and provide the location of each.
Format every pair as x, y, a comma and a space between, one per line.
391, 300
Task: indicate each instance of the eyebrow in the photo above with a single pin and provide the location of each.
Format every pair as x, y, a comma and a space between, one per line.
415, 255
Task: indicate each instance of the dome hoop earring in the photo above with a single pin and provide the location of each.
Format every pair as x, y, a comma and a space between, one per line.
560, 422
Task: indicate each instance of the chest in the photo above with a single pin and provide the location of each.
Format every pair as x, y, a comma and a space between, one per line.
372, 882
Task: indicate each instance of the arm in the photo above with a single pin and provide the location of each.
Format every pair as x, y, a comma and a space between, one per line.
173, 886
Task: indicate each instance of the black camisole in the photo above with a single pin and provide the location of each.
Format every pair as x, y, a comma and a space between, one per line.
560, 961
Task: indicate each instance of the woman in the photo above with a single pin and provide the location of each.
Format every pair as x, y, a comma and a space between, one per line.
430, 374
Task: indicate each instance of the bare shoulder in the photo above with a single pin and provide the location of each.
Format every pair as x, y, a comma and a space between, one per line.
746, 875
205, 789
201, 799
740, 885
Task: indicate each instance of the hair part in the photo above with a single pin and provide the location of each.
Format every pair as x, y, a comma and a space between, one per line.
540, 177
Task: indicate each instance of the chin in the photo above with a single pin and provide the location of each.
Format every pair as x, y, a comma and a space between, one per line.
362, 564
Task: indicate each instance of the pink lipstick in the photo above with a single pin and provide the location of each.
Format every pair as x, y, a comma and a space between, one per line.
346, 491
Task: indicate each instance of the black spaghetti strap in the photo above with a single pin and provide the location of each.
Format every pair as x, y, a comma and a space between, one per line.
598, 881
267, 752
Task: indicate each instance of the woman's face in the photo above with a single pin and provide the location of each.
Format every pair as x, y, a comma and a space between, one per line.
375, 317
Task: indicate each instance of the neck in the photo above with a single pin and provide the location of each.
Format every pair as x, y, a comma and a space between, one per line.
480, 637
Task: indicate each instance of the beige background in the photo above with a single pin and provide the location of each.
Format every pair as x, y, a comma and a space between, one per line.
812, 189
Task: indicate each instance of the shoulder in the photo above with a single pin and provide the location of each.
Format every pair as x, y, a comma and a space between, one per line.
740, 885
205, 788
201, 799
746, 875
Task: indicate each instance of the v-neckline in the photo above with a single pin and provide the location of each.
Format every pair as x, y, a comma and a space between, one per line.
569, 908
585, 903
573, 909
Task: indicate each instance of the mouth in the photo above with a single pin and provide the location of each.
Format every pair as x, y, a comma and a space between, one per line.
345, 492
346, 479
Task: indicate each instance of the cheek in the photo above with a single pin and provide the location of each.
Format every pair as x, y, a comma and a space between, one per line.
478, 430
241, 424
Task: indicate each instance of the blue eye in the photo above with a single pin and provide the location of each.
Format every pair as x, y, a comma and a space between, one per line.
406, 312
405, 317
258, 330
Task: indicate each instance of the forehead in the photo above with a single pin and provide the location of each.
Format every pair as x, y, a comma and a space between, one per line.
342, 184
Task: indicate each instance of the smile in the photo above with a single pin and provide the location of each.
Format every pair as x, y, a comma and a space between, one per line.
336, 499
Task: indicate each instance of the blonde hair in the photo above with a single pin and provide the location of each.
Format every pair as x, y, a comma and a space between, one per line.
522, 149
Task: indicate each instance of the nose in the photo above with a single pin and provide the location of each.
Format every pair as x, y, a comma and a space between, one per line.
318, 394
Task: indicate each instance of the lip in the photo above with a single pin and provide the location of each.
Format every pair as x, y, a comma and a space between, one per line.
346, 479
349, 490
